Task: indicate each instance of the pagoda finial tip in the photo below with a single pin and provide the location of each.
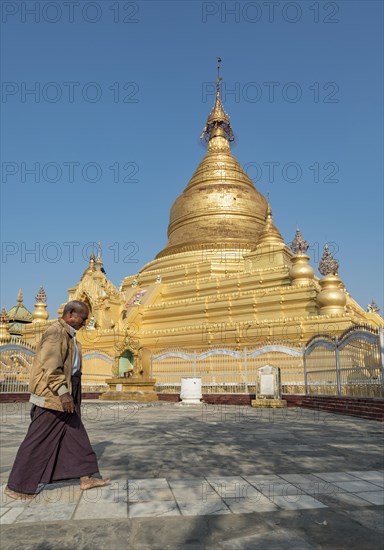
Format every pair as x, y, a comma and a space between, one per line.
218, 118
218, 71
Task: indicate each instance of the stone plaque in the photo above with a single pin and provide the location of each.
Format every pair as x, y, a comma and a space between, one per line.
119, 387
268, 382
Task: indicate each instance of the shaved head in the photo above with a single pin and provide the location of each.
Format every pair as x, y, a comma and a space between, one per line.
76, 306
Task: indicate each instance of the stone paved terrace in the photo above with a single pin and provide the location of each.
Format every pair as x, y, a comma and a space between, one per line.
207, 477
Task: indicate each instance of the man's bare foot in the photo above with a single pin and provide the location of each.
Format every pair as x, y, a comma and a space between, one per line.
18, 496
92, 482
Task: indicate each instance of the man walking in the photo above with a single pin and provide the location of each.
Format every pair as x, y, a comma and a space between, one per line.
56, 446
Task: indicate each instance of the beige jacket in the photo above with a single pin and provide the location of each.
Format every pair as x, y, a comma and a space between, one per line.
52, 366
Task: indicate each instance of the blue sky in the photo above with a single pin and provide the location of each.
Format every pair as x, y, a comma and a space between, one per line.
103, 104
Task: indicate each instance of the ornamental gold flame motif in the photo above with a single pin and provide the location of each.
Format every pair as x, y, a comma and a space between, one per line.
328, 264
299, 245
41, 297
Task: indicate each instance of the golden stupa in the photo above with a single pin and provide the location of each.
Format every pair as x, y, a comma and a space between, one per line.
225, 278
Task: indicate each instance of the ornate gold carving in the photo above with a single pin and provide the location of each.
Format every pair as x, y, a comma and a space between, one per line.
373, 307
328, 264
299, 245
218, 118
41, 297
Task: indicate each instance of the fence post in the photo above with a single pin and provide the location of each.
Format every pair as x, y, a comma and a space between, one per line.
381, 344
337, 357
245, 370
305, 372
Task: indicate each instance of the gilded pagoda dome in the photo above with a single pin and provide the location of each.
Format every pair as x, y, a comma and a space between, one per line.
220, 205
19, 315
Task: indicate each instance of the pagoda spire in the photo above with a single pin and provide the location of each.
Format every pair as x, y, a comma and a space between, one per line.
91, 266
99, 261
218, 118
270, 233
40, 313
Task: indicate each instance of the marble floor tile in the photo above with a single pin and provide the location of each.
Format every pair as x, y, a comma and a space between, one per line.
300, 503
231, 487
47, 511
334, 476
138, 494
154, 509
201, 492
279, 489
299, 478
247, 506
377, 482
371, 475
99, 510
195, 508
11, 516
190, 482
343, 500
155, 483
374, 497
356, 486
263, 478
114, 493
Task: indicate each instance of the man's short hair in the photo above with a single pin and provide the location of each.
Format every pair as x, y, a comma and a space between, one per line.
75, 306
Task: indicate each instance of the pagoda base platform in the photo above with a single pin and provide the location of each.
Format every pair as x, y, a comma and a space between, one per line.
272, 403
130, 389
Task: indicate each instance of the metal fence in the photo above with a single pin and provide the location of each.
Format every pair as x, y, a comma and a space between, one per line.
15, 366
226, 370
348, 365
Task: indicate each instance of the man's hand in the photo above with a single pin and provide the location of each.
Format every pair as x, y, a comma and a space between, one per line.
67, 402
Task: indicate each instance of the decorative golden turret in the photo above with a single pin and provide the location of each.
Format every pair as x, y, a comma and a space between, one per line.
19, 316
270, 233
91, 267
220, 209
5, 335
99, 268
301, 273
40, 313
331, 299
270, 250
